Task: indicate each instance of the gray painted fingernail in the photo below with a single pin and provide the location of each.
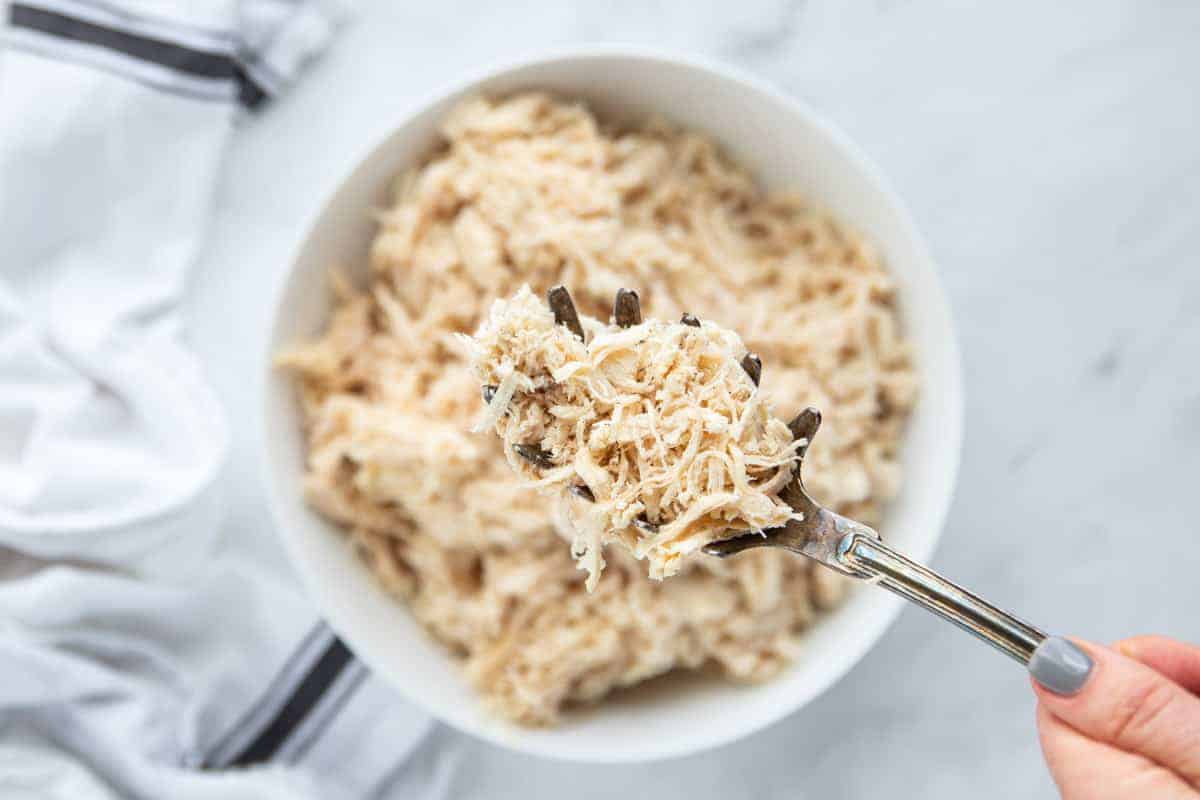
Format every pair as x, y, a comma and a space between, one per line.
1060, 666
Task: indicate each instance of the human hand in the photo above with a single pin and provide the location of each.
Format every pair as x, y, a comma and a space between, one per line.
1122, 722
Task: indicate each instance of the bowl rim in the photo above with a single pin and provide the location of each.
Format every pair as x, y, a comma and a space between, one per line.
950, 428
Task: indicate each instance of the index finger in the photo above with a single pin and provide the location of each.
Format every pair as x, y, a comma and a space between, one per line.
1176, 660
1085, 769
1123, 703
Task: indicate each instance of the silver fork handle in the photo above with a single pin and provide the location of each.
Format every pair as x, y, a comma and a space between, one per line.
872, 559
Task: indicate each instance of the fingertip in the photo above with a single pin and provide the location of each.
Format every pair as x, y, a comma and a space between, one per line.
1134, 646
1127, 648
1120, 702
1060, 666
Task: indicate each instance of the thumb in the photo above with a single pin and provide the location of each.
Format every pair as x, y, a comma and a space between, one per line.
1113, 699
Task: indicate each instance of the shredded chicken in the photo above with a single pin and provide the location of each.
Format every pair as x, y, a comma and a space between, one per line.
530, 189
658, 423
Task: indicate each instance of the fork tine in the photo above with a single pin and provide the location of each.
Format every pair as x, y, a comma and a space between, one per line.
627, 309
645, 526
729, 547
753, 366
489, 392
582, 491
805, 426
534, 455
559, 300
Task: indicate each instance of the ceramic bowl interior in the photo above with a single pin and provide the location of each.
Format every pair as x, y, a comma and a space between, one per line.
786, 146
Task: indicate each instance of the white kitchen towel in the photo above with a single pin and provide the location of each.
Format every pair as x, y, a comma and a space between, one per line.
142, 653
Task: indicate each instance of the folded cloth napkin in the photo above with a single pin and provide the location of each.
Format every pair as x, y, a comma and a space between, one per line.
144, 650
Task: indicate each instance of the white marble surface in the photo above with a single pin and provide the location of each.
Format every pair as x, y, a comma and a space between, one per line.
1050, 153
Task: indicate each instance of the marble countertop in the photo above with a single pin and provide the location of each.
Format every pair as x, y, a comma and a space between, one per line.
1049, 152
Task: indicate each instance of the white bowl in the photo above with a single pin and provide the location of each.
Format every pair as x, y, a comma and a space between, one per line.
786, 145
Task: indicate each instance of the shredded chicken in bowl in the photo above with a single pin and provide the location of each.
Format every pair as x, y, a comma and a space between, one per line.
531, 189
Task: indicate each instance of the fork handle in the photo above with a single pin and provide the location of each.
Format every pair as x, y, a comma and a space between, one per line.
872, 559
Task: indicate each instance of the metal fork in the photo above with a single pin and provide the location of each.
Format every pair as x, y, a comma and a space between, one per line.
838, 542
